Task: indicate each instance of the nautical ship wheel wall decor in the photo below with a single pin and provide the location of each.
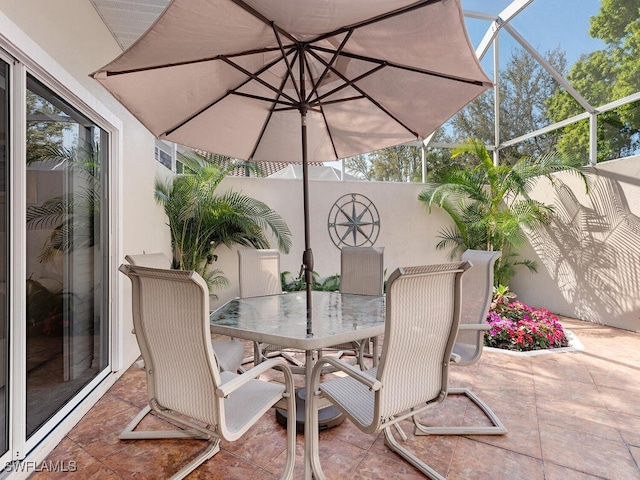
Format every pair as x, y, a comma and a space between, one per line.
353, 221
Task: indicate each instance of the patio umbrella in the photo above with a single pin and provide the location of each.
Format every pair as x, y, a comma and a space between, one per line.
298, 80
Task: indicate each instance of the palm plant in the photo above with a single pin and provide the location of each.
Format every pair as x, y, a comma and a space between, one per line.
201, 220
490, 206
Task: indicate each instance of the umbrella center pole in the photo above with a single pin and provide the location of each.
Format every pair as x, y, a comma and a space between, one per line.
307, 256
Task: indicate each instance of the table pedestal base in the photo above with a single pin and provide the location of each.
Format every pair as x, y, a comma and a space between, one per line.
328, 417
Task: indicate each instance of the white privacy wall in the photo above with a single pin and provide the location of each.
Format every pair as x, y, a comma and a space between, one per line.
589, 258
407, 233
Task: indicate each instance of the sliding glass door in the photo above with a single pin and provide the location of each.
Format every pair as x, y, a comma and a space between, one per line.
54, 250
66, 318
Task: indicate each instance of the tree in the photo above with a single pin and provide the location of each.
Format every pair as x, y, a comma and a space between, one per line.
200, 220
489, 204
44, 132
358, 166
601, 77
401, 163
524, 87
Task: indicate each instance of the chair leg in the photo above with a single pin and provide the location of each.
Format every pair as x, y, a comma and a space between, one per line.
373, 352
213, 447
129, 434
291, 427
497, 427
213, 444
392, 443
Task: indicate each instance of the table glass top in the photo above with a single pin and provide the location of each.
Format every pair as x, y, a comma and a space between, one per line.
333, 313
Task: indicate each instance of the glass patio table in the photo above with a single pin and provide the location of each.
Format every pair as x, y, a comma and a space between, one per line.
282, 320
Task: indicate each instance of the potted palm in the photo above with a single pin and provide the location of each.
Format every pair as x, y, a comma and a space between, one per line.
490, 204
490, 208
201, 219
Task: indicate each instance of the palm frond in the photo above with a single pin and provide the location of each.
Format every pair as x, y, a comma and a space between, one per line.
200, 219
450, 237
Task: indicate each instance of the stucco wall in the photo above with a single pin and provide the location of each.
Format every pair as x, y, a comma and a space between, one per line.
586, 270
407, 233
72, 34
589, 258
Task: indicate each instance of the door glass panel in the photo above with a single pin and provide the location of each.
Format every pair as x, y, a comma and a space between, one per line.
4, 317
66, 321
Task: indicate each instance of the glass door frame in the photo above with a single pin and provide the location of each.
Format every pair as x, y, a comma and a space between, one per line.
10, 384
44, 431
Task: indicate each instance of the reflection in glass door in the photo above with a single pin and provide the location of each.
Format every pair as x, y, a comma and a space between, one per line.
4, 317
66, 320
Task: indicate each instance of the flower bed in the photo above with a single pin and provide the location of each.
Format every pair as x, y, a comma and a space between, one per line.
519, 327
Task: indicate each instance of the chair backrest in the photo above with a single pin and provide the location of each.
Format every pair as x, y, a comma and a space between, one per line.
151, 260
171, 321
422, 318
362, 270
477, 292
259, 272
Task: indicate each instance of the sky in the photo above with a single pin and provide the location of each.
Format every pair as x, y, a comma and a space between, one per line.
545, 24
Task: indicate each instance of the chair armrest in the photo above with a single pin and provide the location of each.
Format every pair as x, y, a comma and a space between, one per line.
231, 386
475, 326
366, 379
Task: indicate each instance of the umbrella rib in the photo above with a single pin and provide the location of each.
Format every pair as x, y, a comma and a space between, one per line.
368, 97
271, 110
330, 64
254, 76
345, 85
199, 112
379, 18
286, 61
376, 103
264, 19
296, 107
264, 99
402, 67
340, 100
190, 62
326, 124
324, 117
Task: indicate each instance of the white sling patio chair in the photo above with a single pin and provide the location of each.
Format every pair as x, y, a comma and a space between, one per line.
229, 353
184, 384
362, 273
362, 270
422, 317
150, 260
477, 292
258, 275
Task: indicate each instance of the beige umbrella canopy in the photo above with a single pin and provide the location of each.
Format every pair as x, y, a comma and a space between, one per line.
292, 80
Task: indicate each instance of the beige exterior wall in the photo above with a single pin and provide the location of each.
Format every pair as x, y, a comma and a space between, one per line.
407, 233
589, 259
70, 40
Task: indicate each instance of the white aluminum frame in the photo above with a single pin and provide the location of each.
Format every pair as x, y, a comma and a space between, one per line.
501, 21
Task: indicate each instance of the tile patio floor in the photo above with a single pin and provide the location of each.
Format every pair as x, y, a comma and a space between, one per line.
572, 415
